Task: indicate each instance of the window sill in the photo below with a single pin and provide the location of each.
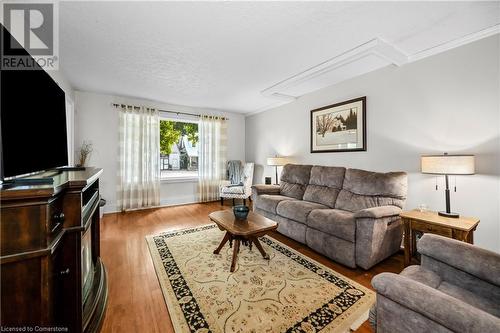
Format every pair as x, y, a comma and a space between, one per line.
173, 180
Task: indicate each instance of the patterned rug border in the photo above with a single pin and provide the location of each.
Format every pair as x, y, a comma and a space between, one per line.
161, 274
354, 319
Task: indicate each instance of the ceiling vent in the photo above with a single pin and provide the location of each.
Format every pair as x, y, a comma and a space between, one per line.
362, 59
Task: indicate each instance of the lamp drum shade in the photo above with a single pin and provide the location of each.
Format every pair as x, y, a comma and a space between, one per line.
277, 161
447, 164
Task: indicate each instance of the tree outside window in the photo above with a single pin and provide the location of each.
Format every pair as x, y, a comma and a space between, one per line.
178, 149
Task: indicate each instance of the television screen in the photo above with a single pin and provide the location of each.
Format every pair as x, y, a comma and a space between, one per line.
33, 121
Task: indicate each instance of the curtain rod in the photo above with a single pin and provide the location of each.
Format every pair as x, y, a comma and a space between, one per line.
116, 105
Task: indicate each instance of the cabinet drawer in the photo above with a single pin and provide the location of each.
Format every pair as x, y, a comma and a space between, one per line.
430, 228
55, 217
22, 228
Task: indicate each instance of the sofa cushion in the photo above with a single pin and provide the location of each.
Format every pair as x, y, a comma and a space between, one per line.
324, 185
290, 228
336, 222
232, 189
333, 247
269, 202
297, 210
294, 179
365, 189
433, 280
471, 298
422, 275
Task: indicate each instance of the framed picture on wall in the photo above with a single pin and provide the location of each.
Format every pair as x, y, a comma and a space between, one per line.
339, 127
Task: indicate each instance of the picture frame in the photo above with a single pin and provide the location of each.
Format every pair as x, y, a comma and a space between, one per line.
339, 127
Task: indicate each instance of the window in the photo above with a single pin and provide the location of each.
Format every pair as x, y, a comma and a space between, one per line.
178, 149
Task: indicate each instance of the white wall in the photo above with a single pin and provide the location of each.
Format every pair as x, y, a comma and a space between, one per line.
63, 83
97, 121
445, 103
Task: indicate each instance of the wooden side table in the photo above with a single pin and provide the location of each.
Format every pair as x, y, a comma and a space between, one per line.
461, 228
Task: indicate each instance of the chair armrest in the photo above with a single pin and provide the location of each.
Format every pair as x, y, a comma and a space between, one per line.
266, 189
224, 183
448, 311
378, 212
474, 260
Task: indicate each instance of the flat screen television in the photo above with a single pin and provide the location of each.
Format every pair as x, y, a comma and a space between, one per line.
33, 121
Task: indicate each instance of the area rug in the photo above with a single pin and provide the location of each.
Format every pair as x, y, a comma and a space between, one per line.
288, 293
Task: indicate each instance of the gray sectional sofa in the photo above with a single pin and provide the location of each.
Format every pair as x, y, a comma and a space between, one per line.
455, 289
349, 215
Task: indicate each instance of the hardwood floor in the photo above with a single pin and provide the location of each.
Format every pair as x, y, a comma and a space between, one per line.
135, 302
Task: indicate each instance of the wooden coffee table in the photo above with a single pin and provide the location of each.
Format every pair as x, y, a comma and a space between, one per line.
242, 231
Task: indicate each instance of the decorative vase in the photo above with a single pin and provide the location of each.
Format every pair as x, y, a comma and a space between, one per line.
240, 212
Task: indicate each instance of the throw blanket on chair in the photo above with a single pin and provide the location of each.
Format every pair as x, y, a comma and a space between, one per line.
234, 172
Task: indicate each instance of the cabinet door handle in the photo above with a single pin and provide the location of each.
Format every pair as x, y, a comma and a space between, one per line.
58, 217
65, 272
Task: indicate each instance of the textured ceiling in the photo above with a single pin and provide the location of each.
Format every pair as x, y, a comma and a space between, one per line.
222, 55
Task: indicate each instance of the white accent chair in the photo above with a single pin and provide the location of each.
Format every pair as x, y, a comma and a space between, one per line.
234, 191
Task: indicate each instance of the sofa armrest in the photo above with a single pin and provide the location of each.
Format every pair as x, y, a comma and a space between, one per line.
378, 212
446, 310
377, 239
266, 189
474, 260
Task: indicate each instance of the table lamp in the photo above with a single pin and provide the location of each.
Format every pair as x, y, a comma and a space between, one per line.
447, 165
276, 162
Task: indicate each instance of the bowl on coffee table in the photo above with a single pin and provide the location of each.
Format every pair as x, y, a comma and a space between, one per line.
241, 212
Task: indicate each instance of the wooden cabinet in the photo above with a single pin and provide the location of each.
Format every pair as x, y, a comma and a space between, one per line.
51, 272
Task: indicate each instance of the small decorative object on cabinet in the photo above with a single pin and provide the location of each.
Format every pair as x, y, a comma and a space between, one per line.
51, 271
84, 153
416, 221
339, 127
447, 165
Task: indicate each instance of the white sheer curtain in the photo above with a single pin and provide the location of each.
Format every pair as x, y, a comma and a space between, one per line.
139, 170
212, 156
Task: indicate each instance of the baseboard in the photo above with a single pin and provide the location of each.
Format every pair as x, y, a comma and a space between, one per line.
178, 201
109, 209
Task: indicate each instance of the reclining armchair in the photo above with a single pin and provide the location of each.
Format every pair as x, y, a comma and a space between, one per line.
455, 289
